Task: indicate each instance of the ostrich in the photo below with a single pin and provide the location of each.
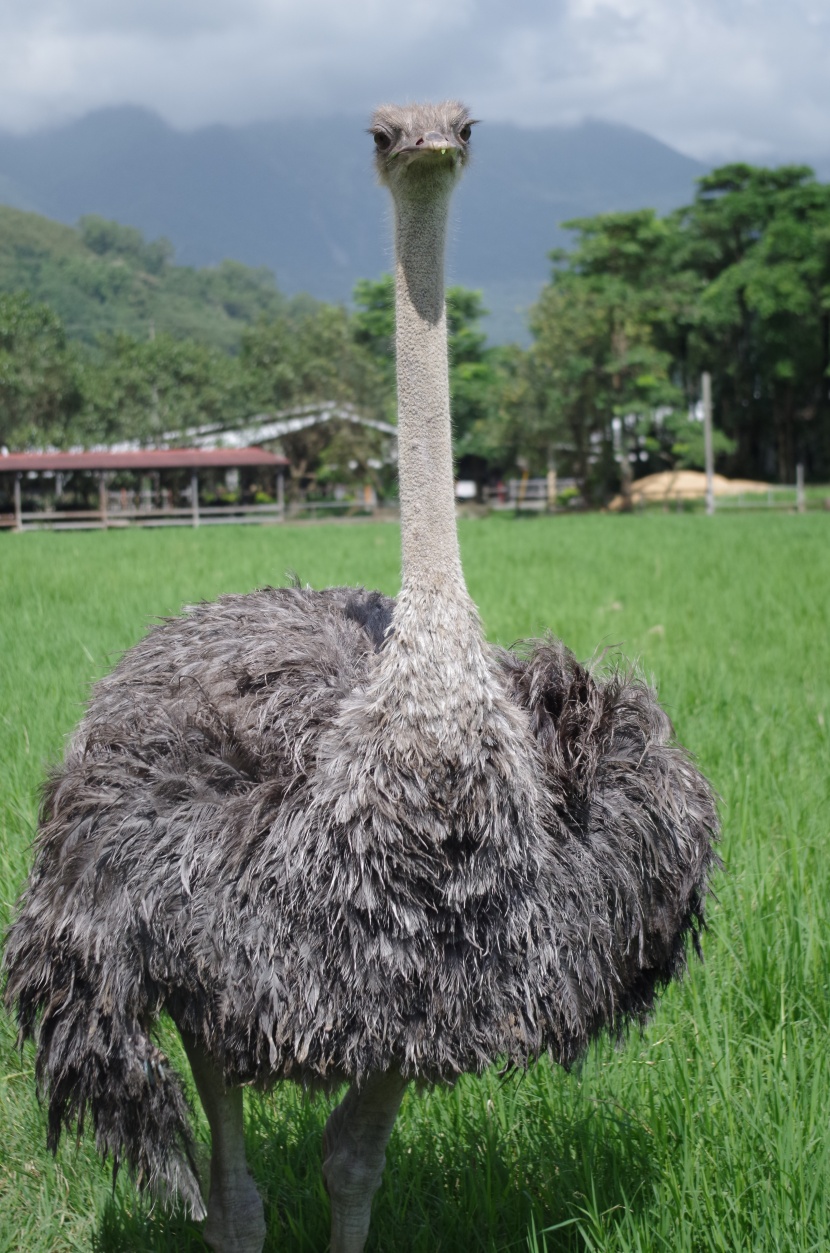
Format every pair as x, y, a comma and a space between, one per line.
340, 838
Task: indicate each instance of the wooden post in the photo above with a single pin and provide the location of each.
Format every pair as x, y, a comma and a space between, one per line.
522, 465
18, 507
619, 443
281, 493
800, 499
194, 496
102, 498
551, 489
706, 383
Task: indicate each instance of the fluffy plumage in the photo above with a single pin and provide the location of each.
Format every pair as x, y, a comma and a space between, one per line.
247, 833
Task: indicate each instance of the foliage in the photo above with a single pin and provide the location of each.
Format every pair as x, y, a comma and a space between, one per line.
39, 378
103, 277
108, 238
474, 380
474, 370
308, 354
676, 438
373, 324
595, 374
339, 453
738, 283
759, 242
146, 389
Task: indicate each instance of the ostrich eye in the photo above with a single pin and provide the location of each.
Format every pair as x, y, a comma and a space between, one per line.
382, 141
465, 133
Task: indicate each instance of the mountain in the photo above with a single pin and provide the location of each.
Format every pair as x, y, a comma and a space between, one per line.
298, 195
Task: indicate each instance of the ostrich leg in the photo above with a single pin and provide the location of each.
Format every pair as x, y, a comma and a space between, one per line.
235, 1220
354, 1154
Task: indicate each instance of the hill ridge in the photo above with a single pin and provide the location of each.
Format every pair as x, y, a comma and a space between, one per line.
102, 277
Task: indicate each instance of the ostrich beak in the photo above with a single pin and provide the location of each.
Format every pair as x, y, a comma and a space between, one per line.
433, 141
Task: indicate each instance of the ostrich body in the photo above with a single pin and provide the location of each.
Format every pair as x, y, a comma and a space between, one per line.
340, 837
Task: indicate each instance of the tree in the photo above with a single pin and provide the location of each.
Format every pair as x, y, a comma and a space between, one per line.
676, 439
163, 387
338, 452
474, 370
308, 354
760, 242
737, 283
107, 238
40, 377
595, 375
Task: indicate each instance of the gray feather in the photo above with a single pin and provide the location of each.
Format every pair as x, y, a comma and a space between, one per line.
241, 834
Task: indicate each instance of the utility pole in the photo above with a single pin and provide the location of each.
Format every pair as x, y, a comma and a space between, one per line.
706, 386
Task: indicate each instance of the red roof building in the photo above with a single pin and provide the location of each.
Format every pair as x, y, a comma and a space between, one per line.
144, 459
156, 507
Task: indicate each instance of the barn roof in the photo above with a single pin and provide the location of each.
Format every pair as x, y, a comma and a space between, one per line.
144, 459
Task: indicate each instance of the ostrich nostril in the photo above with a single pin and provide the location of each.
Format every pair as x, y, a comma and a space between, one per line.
418, 143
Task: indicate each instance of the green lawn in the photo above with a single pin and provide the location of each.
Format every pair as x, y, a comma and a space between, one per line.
709, 1132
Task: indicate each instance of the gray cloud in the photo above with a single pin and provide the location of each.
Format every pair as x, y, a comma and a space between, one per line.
715, 78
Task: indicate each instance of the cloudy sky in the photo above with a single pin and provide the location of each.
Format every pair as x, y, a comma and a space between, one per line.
715, 78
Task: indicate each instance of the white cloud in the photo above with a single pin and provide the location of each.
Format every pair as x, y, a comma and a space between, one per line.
716, 78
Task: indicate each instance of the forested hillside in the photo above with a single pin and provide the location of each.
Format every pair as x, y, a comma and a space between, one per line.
101, 277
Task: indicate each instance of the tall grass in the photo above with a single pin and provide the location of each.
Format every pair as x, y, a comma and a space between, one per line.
708, 1132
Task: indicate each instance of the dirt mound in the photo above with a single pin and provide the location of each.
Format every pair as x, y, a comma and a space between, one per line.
673, 485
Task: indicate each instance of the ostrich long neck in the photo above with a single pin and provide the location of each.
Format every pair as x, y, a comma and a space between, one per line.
431, 557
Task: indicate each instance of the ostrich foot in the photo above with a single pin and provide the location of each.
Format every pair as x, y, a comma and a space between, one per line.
354, 1154
235, 1220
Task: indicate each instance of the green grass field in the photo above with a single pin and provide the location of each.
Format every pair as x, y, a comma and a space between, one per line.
708, 1132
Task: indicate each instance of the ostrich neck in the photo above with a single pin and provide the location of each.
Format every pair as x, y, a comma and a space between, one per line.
429, 539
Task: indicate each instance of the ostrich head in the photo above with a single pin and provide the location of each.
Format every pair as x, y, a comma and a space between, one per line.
421, 141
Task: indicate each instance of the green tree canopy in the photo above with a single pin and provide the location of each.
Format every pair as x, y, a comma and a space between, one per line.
103, 276
759, 242
309, 353
596, 373
474, 382
738, 283
145, 389
108, 238
40, 377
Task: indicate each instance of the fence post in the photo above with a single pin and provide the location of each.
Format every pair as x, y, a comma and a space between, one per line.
102, 498
281, 493
706, 383
800, 500
194, 496
551, 489
18, 506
